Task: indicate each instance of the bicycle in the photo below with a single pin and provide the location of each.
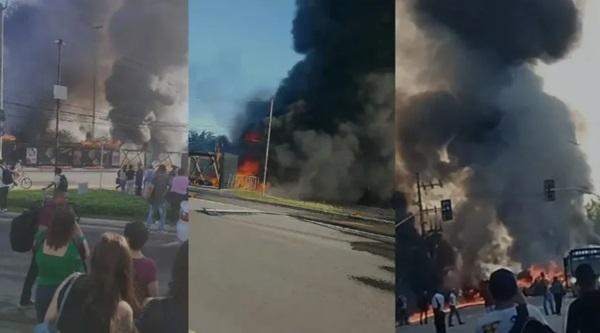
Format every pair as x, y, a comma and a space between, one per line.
23, 181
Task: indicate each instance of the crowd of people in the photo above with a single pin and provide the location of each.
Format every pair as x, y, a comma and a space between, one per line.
112, 287
507, 309
165, 191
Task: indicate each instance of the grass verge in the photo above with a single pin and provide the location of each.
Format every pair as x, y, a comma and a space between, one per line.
96, 203
322, 207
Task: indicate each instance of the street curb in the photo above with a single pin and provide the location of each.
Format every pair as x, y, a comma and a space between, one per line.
92, 222
337, 215
308, 219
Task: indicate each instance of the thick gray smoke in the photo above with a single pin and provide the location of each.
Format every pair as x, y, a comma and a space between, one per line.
31, 59
475, 115
150, 42
146, 68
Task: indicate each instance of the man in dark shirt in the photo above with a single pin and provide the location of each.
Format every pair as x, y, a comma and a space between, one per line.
584, 312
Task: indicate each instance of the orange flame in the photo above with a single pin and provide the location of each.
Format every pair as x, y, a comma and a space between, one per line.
247, 177
253, 137
249, 168
534, 273
473, 298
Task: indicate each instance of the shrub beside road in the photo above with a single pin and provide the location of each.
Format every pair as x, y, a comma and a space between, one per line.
94, 204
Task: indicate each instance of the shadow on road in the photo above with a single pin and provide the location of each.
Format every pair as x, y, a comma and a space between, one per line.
380, 249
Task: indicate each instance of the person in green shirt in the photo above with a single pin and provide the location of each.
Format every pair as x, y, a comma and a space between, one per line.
60, 251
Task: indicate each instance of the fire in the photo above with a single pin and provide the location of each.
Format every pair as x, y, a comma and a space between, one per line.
470, 299
527, 278
247, 177
252, 137
249, 168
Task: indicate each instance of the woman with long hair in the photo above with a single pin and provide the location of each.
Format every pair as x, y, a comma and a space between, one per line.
103, 301
169, 314
57, 255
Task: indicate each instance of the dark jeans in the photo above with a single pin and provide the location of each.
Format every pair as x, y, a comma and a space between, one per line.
439, 322
32, 273
43, 297
423, 317
3, 197
558, 298
454, 312
138, 189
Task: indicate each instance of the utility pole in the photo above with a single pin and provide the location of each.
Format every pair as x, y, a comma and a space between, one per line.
423, 211
420, 204
60, 43
268, 143
2, 112
96, 27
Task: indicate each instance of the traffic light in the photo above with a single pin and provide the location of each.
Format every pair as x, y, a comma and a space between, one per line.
447, 214
549, 190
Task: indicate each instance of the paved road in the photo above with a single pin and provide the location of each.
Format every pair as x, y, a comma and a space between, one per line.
13, 267
92, 177
472, 315
257, 272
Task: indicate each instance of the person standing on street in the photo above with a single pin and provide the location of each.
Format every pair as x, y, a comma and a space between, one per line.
548, 298
437, 302
423, 306
7, 181
401, 310
122, 178
130, 185
506, 295
158, 198
139, 179
584, 313
452, 301
558, 291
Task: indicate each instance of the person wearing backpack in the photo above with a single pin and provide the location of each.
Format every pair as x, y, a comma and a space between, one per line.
7, 181
509, 300
584, 313
60, 182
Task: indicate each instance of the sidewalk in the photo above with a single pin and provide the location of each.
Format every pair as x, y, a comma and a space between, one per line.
13, 319
88, 221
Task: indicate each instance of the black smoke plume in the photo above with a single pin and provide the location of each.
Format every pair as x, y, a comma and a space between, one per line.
476, 116
334, 112
145, 88
150, 40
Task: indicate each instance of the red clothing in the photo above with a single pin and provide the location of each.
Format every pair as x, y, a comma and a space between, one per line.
145, 273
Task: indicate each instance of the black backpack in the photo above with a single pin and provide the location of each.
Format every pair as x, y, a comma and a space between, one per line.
63, 184
23, 229
7, 177
526, 324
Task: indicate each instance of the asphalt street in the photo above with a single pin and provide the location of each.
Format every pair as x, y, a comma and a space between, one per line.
260, 271
161, 247
472, 315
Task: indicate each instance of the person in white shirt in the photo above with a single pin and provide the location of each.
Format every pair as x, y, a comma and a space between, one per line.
506, 294
437, 303
453, 302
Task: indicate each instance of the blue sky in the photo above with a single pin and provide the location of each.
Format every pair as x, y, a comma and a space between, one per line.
237, 49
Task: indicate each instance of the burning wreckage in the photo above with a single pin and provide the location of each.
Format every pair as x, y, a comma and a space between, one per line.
474, 114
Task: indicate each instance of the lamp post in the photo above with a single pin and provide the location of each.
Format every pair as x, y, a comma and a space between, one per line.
95, 27
59, 43
268, 143
2, 114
